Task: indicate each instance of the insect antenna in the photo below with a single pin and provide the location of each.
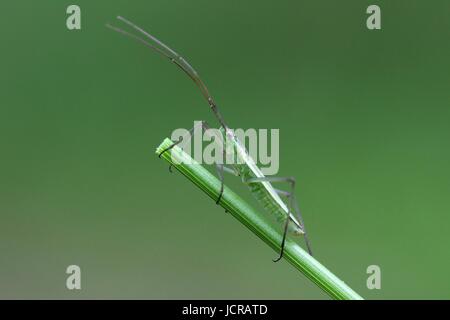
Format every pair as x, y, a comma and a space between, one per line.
174, 57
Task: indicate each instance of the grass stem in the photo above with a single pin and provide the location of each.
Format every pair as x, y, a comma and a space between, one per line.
252, 219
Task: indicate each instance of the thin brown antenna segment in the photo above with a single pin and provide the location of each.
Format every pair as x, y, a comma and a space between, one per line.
174, 57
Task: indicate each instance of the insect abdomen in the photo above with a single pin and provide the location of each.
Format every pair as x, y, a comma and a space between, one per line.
263, 197
260, 193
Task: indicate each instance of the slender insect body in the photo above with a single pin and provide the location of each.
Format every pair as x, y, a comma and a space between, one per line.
263, 196
263, 192
244, 166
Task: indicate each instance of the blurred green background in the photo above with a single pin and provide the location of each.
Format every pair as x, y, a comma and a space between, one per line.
364, 126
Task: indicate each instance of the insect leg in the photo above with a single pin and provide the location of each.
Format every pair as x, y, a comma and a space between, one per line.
220, 168
229, 170
292, 197
182, 138
283, 241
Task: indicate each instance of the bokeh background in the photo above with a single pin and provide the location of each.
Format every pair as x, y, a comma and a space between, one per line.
364, 126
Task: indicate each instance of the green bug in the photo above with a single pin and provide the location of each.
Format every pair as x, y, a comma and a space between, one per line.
260, 185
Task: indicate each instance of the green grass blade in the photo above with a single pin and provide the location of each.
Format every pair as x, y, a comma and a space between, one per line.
252, 219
